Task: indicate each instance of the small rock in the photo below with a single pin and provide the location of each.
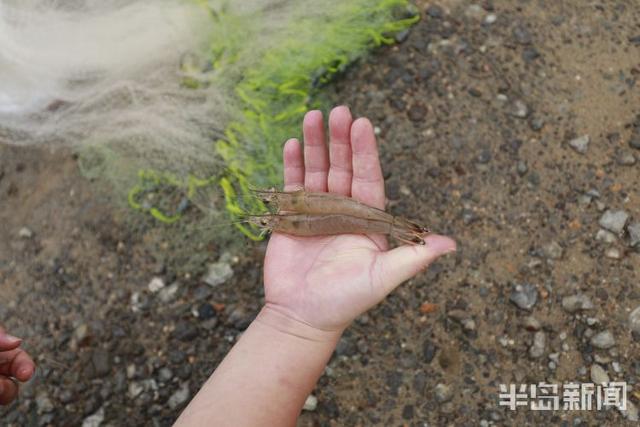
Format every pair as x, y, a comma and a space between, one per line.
185, 331
539, 344
490, 18
631, 413
580, 144
530, 323
428, 351
25, 233
519, 109
614, 221
218, 273
44, 404
402, 35
135, 389
206, 311
603, 340
179, 397
311, 403
634, 234
82, 334
522, 168
443, 393
417, 113
101, 362
634, 320
599, 375
168, 293
536, 123
613, 253
155, 284
522, 35
94, 420
625, 158
165, 374
605, 236
553, 250
435, 11
524, 296
576, 303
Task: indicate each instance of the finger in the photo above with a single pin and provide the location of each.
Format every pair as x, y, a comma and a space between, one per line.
23, 366
402, 263
293, 165
340, 169
8, 342
367, 184
316, 157
8, 390
16, 363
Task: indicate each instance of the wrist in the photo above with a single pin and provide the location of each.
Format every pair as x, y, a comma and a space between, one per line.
279, 320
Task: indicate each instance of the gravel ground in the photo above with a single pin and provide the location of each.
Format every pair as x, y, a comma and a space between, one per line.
513, 126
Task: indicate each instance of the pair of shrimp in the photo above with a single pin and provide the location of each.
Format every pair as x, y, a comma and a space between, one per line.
302, 213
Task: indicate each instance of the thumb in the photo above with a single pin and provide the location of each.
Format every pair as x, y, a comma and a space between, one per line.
400, 264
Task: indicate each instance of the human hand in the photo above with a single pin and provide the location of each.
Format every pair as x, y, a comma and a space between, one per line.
14, 363
327, 281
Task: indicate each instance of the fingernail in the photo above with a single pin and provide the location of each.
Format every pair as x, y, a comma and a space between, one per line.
25, 372
12, 339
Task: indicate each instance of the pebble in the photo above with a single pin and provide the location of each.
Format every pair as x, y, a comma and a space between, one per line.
165, 374
524, 296
168, 294
634, 234
155, 285
553, 250
185, 331
428, 351
539, 344
25, 233
435, 11
603, 340
605, 236
598, 374
625, 158
417, 113
179, 397
576, 303
82, 334
490, 18
519, 109
634, 320
530, 323
614, 221
522, 35
522, 168
135, 389
218, 273
206, 311
632, 412
613, 253
536, 123
443, 393
311, 403
101, 362
580, 144
44, 404
94, 420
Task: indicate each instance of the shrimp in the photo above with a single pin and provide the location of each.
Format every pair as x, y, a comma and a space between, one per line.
330, 203
333, 224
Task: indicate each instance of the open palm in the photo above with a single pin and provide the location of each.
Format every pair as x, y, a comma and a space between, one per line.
326, 282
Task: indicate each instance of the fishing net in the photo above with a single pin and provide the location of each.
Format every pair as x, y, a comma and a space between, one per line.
171, 99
